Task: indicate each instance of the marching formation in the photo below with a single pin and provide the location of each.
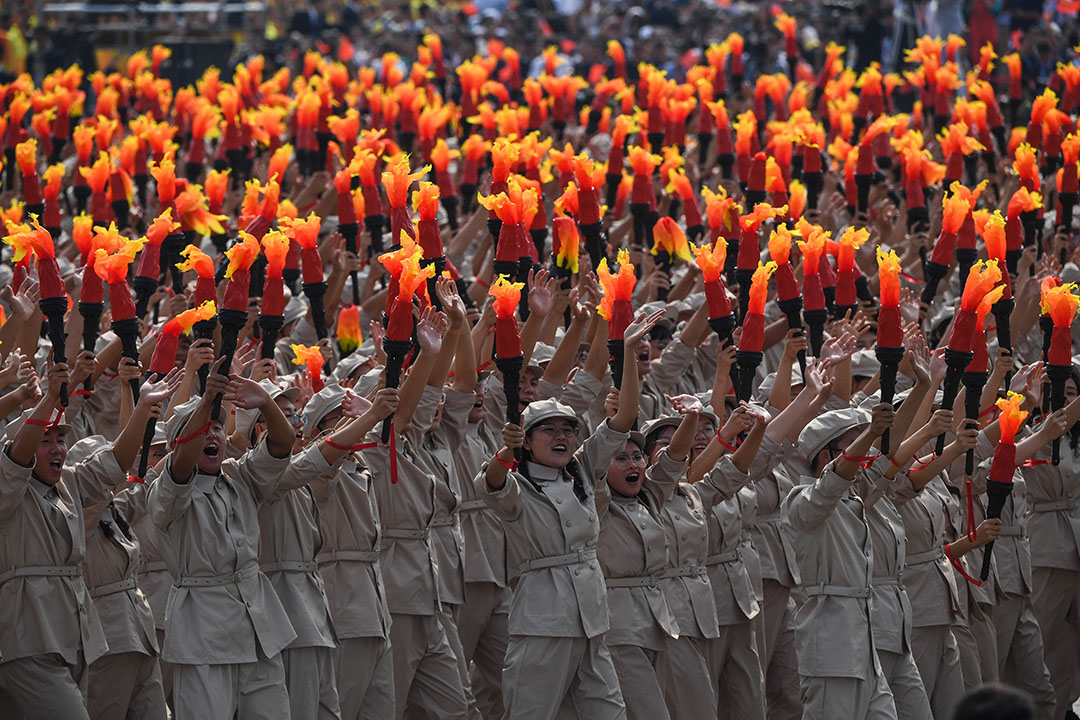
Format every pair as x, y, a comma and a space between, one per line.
429, 389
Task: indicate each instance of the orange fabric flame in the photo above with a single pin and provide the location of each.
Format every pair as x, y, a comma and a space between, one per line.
192, 209
279, 162
511, 206
1060, 303
26, 156
310, 357
217, 183
889, 277
619, 286
53, 176
1011, 417
506, 296
348, 332
195, 259
441, 155
721, 210
1025, 163
955, 139
785, 24
113, 267
669, 237
161, 228
956, 208
97, 175
276, 248
82, 232
982, 278
304, 233
504, 155
425, 201
852, 239
1024, 200
397, 180
187, 319
780, 245
242, 255
759, 287
993, 234
569, 240
710, 259
761, 212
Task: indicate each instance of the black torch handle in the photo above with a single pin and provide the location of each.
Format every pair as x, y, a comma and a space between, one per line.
512, 389
228, 349
393, 379
53, 309
988, 550
148, 437
617, 353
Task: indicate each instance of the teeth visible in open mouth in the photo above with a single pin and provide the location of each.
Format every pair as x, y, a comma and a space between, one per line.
559, 448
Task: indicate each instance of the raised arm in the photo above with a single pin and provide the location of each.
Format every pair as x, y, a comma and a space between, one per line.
455, 311
128, 443
629, 394
559, 367
429, 335
780, 394
335, 446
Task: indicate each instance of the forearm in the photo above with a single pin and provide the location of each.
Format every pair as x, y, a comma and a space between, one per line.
1026, 448
496, 472
465, 375
338, 444
990, 392
841, 387
412, 389
279, 431
679, 447
127, 402
780, 394
695, 331
745, 453
26, 442
775, 332
847, 468
530, 333
186, 454
908, 409
791, 417
563, 359
445, 359
706, 460
629, 393
920, 477
128, 443
597, 360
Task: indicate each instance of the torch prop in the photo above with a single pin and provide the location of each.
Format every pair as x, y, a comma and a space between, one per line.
992, 230
749, 354
149, 271
205, 292
615, 307
408, 275
1060, 303
669, 242
272, 312
958, 355
26, 158
1000, 483
113, 269
565, 247
956, 209
311, 358
398, 180
749, 250
976, 374
641, 193
233, 315
92, 293
508, 354
847, 273
305, 233
425, 202
787, 285
164, 360
711, 259
815, 313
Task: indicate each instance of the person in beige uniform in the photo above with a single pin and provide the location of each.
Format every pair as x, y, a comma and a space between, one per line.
1054, 531
557, 661
838, 665
426, 672
127, 680
291, 539
225, 627
349, 558
50, 631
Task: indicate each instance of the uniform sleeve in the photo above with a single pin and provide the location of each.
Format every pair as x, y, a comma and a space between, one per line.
664, 476
506, 501
95, 479
268, 477
598, 450
872, 482
670, 367
167, 501
132, 500
768, 455
809, 506
494, 402
424, 414
724, 481
547, 390
901, 490
456, 408
14, 482
581, 392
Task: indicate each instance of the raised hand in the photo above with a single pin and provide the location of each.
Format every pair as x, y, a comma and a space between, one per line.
739, 421
385, 404
430, 330
837, 349
637, 330
881, 418
513, 436
245, 393
84, 367
686, 404
541, 291
153, 392
794, 343
452, 304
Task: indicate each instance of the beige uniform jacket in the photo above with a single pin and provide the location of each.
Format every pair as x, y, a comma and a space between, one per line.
111, 570
222, 609
1054, 498
485, 541
664, 378
890, 613
772, 537
436, 454
832, 629
406, 508
732, 585
291, 540
927, 574
44, 603
349, 557
687, 584
633, 554
154, 578
551, 539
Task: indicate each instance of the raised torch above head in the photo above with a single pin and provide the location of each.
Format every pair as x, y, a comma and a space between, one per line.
1000, 483
1060, 302
616, 308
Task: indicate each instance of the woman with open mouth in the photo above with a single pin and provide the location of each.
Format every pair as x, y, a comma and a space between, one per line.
557, 656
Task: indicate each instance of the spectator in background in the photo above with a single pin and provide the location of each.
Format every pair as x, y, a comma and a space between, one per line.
995, 702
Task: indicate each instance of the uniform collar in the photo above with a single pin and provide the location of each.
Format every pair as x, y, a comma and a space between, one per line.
544, 473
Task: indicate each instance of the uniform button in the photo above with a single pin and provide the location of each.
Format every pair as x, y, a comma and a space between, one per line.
577, 571
642, 526
240, 542
568, 523
247, 604
558, 501
684, 537
590, 517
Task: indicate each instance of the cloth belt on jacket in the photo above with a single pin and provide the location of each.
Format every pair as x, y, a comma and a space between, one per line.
551, 561
1070, 504
631, 582
770, 518
362, 556
449, 521
156, 566
888, 582
723, 558
405, 533
41, 571
684, 571
114, 587
245, 573
1011, 531
473, 505
859, 593
924, 557
304, 566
